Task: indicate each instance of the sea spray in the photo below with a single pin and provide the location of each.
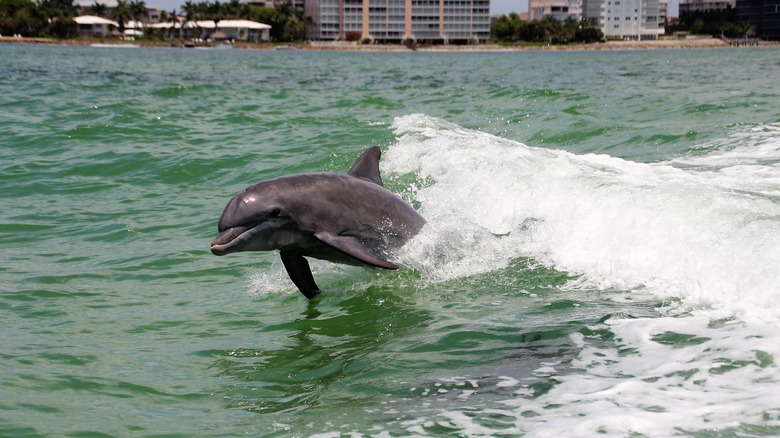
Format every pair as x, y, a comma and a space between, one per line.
683, 229
675, 232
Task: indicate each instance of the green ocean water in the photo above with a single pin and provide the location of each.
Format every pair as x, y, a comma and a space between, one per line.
602, 254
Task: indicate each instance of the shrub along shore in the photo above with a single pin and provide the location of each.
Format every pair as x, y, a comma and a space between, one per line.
608, 45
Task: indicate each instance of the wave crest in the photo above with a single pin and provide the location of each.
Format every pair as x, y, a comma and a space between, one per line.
676, 232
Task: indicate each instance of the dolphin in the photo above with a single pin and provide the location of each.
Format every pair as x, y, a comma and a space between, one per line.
343, 218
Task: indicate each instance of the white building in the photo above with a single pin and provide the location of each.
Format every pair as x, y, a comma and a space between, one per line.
447, 21
90, 26
237, 30
560, 9
626, 19
243, 30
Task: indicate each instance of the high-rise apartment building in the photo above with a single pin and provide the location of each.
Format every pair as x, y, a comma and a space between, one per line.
448, 21
560, 9
628, 19
764, 15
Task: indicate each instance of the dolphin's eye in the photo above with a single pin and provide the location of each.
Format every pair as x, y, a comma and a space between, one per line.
274, 213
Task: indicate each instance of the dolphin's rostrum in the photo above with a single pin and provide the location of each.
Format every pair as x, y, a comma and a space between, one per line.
345, 218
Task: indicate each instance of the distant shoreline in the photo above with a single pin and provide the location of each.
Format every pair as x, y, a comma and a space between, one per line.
344, 46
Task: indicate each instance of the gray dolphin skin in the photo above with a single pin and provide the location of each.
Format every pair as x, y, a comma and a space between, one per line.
344, 218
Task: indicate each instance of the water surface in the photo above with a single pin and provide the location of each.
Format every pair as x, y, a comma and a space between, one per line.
602, 253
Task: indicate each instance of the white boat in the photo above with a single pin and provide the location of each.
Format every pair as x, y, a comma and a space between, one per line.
216, 47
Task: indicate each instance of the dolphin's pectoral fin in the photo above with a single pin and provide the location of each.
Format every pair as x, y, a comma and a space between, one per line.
298, 269
367, 166
352, 247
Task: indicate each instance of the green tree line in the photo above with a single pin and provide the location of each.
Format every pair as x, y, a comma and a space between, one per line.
54, 18
549, 29
43, 18
287, 23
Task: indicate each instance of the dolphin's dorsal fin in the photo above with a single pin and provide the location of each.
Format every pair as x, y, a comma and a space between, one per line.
352, 247
367, 166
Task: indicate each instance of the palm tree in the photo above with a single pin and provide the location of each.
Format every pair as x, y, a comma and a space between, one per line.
237, 10
138, 10
122, 14
188, 9
22, 17
174, 19
747, 29
59, 15
295, 27
288, 23
98, 9
193, 12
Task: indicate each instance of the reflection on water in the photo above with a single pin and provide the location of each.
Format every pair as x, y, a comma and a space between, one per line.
322, 351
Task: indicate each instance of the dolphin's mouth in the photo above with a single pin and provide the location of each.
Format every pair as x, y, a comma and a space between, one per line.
227, 240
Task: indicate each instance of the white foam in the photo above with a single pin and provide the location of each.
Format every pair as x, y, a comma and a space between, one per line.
703, 229
275, 280
270, 281
714, 383
675, 232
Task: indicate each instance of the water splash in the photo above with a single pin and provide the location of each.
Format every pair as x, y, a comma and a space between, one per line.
682, 233
701, 229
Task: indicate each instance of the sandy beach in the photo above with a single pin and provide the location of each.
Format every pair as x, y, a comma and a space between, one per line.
609, 45
353, 46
